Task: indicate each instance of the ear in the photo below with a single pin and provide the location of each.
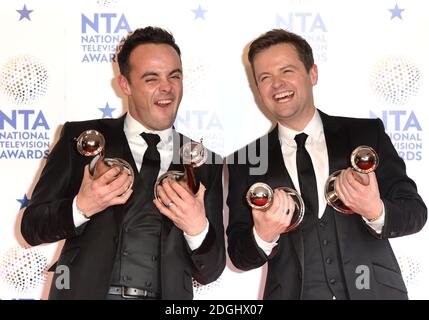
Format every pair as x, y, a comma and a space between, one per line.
314, 74
123, 83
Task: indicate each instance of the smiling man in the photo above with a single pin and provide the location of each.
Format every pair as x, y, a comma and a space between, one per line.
120, 243
330, 255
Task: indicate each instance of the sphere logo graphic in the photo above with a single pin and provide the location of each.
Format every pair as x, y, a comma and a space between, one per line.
23, 80
200, 289
395, 79
23, 269
106, 3
411, 270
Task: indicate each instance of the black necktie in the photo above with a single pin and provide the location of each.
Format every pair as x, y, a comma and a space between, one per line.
306, 176
151, 161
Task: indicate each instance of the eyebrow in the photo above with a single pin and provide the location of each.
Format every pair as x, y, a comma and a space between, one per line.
291, 66
153, 73
176, 71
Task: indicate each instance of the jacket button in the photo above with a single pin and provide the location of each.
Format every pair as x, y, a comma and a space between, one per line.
325, 242
328, 260
332, 281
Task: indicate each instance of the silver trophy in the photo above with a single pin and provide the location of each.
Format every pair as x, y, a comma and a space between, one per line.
193, 155
364, 160
91, 143
260, 196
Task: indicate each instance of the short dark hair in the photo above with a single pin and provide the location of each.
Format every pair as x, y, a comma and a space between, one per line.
142, 36
278, 36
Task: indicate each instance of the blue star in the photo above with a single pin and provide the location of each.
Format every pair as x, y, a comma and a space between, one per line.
199, 13
107, 111
24, 201
396, 12
25, 13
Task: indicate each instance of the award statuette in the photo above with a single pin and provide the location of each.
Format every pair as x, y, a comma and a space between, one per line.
260, 196
193, 155
91, 143
364, 160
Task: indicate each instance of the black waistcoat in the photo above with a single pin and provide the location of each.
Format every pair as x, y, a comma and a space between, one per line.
323, 273
137, 261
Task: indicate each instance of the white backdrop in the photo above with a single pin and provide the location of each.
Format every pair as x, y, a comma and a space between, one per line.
55, 66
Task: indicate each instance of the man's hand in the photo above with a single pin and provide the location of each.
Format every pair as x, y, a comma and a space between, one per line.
362, 199
110, 189
272, 222
184, 209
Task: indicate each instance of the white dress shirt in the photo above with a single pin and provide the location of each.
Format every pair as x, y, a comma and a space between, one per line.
138, 146
316, 147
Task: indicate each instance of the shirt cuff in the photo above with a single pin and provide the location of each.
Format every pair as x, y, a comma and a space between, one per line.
78, 217
267, 247
377, 224
194, 242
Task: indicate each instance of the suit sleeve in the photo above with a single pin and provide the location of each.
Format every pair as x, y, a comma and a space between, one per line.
406, 213
243, 250
48, 217
208, 261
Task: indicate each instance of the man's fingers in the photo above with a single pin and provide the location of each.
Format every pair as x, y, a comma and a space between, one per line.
163, 209
172, 193
121, 199
165, 200
110, 175
183, 192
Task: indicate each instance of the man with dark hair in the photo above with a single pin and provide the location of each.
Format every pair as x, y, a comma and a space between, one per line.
120, 242
330, 254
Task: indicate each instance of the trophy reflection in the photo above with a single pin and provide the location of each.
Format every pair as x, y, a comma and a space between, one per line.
193, 155
364, 160
260, 196
91, 143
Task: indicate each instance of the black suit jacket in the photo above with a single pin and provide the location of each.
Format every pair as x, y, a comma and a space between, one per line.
405, 213
89, 250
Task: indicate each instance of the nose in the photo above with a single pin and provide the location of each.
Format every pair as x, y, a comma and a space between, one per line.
277, 82
165, 86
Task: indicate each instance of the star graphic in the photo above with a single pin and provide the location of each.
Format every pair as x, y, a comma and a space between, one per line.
24, 13
23, 201
107, 111
199, 13
396, 12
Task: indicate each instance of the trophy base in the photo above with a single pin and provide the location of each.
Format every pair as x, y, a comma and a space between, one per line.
178, 176
332, 198
98, 167
260, 196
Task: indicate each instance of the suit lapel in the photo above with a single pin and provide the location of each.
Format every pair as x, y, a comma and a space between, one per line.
278, 176
117, 147
176, 163
338, 145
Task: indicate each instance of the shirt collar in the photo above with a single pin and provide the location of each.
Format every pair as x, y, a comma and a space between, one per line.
314, 130
133, 128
